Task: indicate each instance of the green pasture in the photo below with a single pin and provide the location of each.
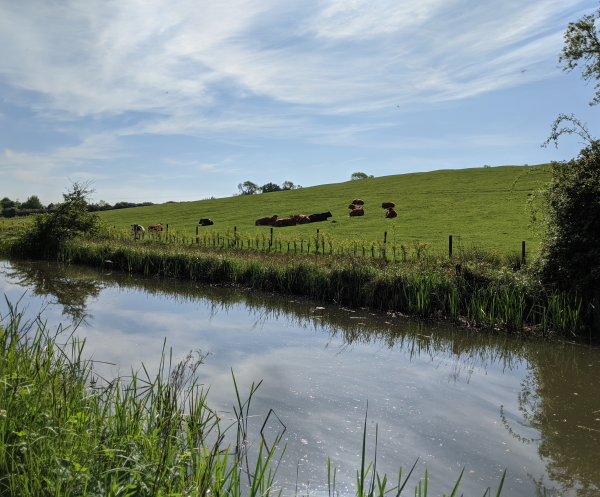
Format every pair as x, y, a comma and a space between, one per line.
480, 207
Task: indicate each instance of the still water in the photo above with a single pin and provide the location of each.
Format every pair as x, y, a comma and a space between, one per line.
451, 398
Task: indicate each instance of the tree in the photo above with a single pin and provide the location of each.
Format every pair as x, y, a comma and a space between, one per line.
248, 188
570, 251
32, 202
582, 46
69, 219
7, 203
270, 187
288, 185
360, 176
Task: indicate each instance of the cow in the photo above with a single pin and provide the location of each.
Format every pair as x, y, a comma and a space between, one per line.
352, 207
315, 218
286, 221
391, 213
266, 221
205, 222
155, 227
359, 211
300, 218
358, 201
388, 205
137, 229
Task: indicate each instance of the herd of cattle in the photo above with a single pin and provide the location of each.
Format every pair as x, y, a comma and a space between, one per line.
356, 209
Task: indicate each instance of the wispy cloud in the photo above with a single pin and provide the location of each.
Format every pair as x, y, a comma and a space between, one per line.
106, 72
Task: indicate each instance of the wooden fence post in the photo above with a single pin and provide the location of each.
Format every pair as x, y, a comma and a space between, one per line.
523, 252
271, 241
450, 246
197, 239
385, 237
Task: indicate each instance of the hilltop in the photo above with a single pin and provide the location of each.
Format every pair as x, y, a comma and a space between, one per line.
483, 207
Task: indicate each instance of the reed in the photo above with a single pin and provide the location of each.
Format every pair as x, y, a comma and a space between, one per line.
66, 432
472, 291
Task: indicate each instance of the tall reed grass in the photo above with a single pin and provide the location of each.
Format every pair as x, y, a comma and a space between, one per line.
474, 293
66, 432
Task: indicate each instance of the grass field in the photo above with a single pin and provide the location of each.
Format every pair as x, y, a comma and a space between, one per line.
481, 207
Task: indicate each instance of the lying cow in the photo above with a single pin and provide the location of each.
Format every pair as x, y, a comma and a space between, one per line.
266, 221
391, 213
205, 222
286, 221
300, 218
137, 229
352, 207
315, 218
155, 227
388, 205
359, 211
358, 201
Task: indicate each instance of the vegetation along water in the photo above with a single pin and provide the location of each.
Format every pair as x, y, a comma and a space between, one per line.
457, 398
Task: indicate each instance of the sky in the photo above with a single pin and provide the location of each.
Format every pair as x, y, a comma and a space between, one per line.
162, 100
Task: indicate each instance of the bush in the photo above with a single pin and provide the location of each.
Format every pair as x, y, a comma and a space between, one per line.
71, 218
570, 251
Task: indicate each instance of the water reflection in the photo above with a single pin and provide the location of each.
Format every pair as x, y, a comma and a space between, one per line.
500, 401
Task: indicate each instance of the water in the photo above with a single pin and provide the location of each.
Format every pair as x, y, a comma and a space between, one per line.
451, 398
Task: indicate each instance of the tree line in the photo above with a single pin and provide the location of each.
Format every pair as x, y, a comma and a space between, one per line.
33, 205
250, 188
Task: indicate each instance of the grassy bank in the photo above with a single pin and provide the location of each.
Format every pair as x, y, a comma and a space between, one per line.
473, 288
65, 432
483, 207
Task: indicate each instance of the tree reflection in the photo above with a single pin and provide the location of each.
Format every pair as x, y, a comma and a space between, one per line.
62, 284
559, 399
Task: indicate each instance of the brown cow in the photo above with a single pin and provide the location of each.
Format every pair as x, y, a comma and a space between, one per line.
391, 213
266, 221
388, 205
300, 218
155, 227
358, 201
286, 221
359, 211
352, 207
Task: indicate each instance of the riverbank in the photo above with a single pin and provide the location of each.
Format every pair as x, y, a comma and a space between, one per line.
473, 289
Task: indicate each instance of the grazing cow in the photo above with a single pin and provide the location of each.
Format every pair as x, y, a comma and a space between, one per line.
205, 222
155, 227
359, 211
391, 213
315, 218
388, 205
286, 221
266, 221
352, 207
358, 201
137, 229
300, 218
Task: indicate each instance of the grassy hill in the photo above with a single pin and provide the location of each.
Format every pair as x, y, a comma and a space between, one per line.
481, 207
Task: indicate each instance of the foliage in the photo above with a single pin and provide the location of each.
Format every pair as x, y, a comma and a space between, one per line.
32, 202
360, 175
270, 187
70, 218
582, 46
570, 250
6, 203
248, 188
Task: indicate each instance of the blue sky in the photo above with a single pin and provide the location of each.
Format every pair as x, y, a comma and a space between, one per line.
158, 100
